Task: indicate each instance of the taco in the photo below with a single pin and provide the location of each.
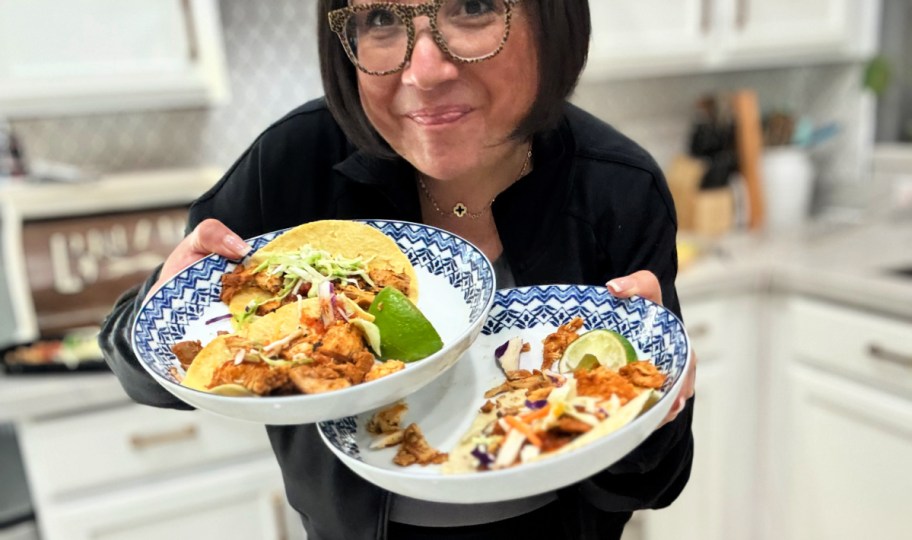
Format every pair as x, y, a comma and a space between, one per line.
539, 413
305, 347
355, 259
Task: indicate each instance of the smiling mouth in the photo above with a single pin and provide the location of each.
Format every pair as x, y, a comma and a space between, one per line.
439, 116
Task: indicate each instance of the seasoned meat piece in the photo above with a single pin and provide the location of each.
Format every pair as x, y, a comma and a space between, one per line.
603, 382
268, 307
643, 374
572, 425
300, 349
340, 342
388, 419
309, 385
271, 283
553, 439
522, 379
539, 393
555, 344
233, 282
388, 439
258, 377
316, 370
415, 449
350, 372
317, 378
487, 407
186, 351
382, 369
361, 297
383, 277
358, 368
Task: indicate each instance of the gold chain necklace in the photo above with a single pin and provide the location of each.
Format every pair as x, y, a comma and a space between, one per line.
460, 209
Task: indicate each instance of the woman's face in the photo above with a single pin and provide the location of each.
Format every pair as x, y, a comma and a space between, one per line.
450, 119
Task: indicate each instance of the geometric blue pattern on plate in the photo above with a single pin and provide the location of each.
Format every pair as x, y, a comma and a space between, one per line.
655, 332
164, 318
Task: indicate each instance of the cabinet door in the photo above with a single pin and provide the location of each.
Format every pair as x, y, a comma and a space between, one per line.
638, 36
717, 503
239, 502
849, 473
89, 55
781, 28
697, 514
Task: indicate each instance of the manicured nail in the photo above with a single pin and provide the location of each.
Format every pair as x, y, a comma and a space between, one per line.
239, 246
617, 286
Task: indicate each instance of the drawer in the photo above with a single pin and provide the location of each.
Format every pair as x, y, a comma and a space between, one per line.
705, 323
874, 348
130, 443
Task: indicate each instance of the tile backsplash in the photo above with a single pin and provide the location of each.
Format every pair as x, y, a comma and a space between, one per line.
272, 67
270, 48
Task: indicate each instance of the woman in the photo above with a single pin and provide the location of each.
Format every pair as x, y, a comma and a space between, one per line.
452, 113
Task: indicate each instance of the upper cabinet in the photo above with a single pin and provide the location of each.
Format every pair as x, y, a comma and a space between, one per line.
86, 56
664, 34
655, 37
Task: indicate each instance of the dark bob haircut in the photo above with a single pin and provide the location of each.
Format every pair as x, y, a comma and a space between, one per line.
561, 29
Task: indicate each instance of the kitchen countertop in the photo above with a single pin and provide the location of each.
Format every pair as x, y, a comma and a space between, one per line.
845, 264
33, 396
110, 193
854, 265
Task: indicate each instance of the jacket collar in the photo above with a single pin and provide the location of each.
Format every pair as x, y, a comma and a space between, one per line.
523, 212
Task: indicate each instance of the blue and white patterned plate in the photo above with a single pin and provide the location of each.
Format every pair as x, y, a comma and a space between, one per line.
456, 284
446, 408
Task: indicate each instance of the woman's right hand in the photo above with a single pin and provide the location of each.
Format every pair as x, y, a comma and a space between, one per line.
210, 236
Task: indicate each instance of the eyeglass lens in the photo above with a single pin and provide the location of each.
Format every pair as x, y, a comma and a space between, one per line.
471, 29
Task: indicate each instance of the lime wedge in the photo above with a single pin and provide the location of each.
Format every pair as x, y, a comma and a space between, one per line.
607, 347
405, 333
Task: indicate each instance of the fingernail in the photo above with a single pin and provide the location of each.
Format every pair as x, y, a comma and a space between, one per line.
617, 286
239, 246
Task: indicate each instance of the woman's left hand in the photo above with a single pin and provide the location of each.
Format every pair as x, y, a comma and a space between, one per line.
644, 283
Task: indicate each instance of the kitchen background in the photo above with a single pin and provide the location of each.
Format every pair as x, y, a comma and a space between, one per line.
797, 314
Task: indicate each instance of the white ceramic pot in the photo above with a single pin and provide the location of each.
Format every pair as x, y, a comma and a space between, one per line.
788, 183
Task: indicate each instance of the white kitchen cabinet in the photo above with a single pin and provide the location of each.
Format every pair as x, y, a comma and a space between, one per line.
84, 56
130, 472
841, 430
633, 35
717, 503
236, 502
654, 37
849, 469
796, 29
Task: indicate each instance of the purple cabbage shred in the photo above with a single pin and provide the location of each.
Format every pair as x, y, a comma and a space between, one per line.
535, 405
219, 318
482, 456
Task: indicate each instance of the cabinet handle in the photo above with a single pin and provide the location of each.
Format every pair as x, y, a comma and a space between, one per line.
141, 442
698, 331
190, 28
741, 13
886, 355
705, 16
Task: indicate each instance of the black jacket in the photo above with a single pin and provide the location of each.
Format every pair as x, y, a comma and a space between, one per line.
595, 207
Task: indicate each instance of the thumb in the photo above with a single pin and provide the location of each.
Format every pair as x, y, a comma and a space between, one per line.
642, 283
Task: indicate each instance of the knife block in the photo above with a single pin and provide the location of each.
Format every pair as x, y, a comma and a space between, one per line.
714, 211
